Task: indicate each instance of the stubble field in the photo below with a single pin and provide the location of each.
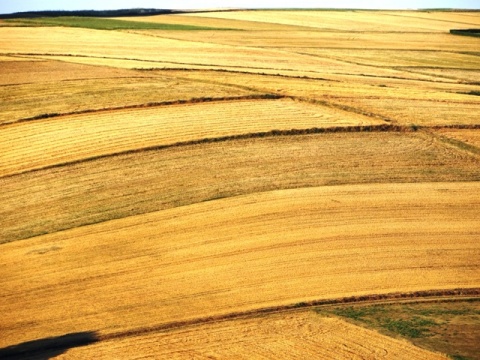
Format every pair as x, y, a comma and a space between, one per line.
190, 194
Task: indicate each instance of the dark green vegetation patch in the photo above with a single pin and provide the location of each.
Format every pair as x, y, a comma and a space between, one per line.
102, 24
466, 32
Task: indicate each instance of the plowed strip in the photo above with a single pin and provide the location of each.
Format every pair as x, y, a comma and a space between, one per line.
239, 254
39, 144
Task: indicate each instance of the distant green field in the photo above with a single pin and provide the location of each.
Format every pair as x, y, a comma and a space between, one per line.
102, 24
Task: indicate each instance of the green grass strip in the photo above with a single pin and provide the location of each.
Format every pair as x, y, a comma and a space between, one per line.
103, 24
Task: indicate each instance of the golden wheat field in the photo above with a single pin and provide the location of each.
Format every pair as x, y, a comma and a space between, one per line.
193, 194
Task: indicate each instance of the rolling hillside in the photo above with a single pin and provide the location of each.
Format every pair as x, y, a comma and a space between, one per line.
194, 185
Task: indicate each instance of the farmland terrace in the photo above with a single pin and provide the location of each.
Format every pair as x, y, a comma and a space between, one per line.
240, 184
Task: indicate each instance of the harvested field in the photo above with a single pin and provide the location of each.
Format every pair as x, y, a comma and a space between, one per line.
298, 335
6, 58
352, 21
458, 75
96, 43
224, 256
469, 137
110, 132
158, 179
116, 62
307, 39
398, 99
52, 87
21, 71
403, 58
179, 194
187, 19
462, 111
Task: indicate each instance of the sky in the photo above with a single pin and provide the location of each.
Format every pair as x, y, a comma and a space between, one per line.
10, 6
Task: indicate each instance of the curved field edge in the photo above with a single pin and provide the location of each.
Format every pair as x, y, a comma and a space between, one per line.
55, 88
107, 133
242, 254
449, 325
65, 197
263, 134
294, 327
321, 306
280, 333
287, 335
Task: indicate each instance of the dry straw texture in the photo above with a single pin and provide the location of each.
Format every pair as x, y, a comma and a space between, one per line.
239, 254
294, 336
156, 180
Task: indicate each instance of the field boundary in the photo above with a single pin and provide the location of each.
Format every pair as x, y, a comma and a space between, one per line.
459, 293
205, 66
455, 143
305, 77
255, 135
263, 134
151, 105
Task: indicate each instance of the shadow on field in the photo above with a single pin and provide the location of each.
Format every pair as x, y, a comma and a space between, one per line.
48, 348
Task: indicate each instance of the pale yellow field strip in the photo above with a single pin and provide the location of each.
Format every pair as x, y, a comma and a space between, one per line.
299, 335
461, 19
134, 64
461, 75
335, 53
470, 137
19, 70
4, 58
66, 97
30, 145
38, 88
401, 100
315, 39
350, 20
325, 67
115, 187
239, 254
339, 53
115, 62
55, 41
260, 51
346, 85
459, 110
211, 22
395, 58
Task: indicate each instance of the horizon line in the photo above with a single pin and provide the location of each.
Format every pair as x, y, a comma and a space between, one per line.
251, 9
